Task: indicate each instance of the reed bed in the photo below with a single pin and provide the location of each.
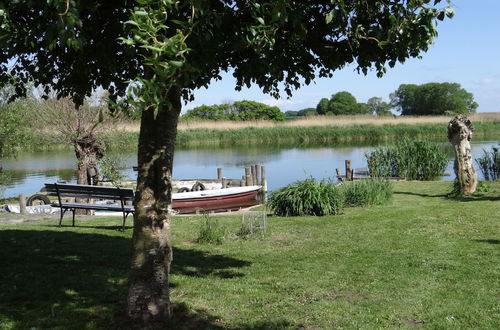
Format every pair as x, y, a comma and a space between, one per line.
314, 121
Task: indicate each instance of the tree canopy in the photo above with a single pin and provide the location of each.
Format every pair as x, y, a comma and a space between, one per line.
168, 48
341, 103
433, 99
241, 110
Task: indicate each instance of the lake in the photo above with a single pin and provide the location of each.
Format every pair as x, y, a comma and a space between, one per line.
284, 165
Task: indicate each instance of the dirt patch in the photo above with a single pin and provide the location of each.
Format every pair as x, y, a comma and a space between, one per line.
350, 297
413, 323
278, 238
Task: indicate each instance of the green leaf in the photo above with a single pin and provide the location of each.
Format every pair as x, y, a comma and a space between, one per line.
261, 20
141, 13
329, 16
176, 64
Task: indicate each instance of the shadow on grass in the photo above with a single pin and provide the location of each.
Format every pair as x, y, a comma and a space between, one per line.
489, 241
417, 194
78, 280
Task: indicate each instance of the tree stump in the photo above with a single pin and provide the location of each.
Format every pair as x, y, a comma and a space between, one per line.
460, 131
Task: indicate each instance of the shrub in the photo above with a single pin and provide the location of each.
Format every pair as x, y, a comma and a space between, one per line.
374, 191
211, 231
307, 197
412, 160
489, 164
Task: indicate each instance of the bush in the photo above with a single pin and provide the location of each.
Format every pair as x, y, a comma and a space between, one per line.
307, 197
412, 160
375, 191
211, 231
489, 164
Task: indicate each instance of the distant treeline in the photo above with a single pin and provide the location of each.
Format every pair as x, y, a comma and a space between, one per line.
408, 100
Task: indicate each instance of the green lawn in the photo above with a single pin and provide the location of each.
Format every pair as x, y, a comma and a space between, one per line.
423, 261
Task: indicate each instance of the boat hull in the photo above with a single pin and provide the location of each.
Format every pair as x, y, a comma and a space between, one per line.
216, 200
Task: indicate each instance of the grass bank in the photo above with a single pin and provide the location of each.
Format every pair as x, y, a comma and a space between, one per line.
425, 260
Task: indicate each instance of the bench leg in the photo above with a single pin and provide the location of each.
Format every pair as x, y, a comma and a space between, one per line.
62, 215
125, 215
73, 210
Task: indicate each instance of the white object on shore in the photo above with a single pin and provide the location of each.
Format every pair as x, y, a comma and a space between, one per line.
35, 209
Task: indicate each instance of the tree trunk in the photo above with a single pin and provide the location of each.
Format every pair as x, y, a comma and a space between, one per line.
148, 295
460, 133
88, 152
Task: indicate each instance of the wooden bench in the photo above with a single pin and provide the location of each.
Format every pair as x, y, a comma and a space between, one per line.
62, 190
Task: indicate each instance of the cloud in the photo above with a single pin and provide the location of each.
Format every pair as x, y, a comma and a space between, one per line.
282, 102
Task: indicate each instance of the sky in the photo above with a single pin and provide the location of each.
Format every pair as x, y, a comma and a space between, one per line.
466, 51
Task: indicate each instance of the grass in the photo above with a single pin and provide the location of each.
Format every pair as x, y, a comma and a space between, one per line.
424, 260
311, 130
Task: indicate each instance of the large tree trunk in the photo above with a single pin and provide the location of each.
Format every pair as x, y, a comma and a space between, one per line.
148, 295
460, 133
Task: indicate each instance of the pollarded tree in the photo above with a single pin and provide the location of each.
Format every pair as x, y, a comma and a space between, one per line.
171, 48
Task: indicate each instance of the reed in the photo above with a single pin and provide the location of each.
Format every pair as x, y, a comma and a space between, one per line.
410, 159
374, 191
307, 197
489, 164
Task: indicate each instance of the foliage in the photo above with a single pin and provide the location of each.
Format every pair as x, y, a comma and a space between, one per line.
341, 103
378, 107
375, 191
300, 113
409, 159
211, 231
433, 99
15, 130
242, 110
110, 166
307, 197
489, 164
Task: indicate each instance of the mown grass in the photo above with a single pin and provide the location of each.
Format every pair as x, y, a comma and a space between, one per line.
424, 260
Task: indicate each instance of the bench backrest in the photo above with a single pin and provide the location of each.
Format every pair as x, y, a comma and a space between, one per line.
84, 191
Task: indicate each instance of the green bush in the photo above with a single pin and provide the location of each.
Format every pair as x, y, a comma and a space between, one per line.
211, 231
489, 164
307, 197
374, 191
409, 159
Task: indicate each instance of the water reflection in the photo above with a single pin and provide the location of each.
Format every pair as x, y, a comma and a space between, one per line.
284, 164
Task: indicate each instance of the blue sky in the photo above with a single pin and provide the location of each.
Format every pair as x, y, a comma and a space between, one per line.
466, 51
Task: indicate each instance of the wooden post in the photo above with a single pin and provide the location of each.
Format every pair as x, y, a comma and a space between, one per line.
258, 171
242, 182
22, 203
339, 174
348, 172
252, 169
263, 183
219, 173
248, 176
223, 183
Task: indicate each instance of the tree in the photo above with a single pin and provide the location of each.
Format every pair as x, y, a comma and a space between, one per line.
82, 127
170, 48
433, 99
341, 103
378, 107
241, 110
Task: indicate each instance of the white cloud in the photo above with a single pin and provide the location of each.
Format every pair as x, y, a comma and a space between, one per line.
281, 102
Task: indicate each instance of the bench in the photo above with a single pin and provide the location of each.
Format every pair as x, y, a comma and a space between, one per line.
90, 192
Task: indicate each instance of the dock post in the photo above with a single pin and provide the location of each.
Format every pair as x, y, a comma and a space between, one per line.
258, 175
223, 183
339, 174
252, 169
348, 170
219, 173
22, 203
248, 176
263, 183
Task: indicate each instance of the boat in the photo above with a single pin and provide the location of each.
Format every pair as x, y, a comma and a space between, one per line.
228, 199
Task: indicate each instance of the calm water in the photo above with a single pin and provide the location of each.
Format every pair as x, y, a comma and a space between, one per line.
283, 165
